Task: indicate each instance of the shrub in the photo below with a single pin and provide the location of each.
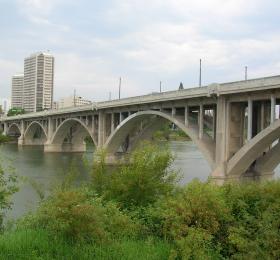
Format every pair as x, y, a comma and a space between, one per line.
77, 216
8, 186
145, 179
199, 205
4, 138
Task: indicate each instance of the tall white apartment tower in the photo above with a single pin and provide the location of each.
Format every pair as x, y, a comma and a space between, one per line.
17, 91
38, 82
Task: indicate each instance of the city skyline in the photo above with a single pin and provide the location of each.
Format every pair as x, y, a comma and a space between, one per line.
143, 42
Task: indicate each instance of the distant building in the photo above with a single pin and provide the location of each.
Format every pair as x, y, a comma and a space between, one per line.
17, 91
72, 101
38, 82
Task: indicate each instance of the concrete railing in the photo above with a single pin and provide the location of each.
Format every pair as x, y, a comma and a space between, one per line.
206, 91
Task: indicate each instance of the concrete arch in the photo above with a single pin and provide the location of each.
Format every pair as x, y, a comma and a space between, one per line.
253, 149
30, 132
118, 136
15, 127
82, 132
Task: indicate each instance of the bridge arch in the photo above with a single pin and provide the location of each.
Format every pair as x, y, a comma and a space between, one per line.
81, 132
254, 149
14, 130
35, 134
118, 136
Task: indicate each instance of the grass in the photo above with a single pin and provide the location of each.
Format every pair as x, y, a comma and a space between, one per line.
38, 244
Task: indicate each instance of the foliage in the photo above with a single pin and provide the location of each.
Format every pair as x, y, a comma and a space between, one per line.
78, 216
8, 186
15, 111
4, 138
145, 179
166, 133
32, 244
138, 212
100, 176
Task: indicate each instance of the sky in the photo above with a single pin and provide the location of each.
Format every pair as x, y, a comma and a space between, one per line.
144, 42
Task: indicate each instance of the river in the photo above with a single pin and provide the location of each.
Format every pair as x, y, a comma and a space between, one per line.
49, 169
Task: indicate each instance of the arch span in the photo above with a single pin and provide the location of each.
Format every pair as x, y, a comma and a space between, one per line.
81, 132
253, 149
117, 137
14, 129
35, 134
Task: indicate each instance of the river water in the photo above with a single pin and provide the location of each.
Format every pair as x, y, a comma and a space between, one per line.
31, 164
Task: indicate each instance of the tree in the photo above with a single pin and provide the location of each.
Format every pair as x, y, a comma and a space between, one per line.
181, 87
15, 111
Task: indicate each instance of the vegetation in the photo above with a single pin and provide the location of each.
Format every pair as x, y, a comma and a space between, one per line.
4, 138
15, 111
167, 133
8, 186
139, 212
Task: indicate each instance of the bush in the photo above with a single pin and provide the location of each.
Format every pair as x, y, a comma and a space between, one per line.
8, 186
4, 138
144, 180
77, 216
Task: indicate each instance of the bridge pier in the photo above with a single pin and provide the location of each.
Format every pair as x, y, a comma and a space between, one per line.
66, 147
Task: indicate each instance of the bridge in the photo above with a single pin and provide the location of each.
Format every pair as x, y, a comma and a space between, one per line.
233, 125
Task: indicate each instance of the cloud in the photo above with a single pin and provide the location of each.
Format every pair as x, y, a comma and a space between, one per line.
148, 41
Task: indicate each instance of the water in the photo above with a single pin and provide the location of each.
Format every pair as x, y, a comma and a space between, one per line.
49, 169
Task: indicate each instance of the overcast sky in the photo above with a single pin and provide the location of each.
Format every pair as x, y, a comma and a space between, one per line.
144, 42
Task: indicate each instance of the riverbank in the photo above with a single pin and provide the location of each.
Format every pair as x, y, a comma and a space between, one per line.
140, 212
200, 222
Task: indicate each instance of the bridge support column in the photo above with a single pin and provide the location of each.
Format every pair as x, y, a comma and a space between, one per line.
262, 115
186, 116
218, 175
201, 121
272, 109
101, 129
250, 119
112, 123
5, 130
21, 138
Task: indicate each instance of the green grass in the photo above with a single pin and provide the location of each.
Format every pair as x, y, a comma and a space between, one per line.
38, 244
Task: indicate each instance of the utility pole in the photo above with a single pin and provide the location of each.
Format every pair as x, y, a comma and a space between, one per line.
74, 97
199, 72
160, 86
109, 95
120, 85
246, 72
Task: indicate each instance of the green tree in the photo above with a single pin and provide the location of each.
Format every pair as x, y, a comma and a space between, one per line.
15, 111
146, 178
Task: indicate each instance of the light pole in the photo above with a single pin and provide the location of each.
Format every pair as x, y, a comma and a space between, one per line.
246, 72
120, 85
199, 72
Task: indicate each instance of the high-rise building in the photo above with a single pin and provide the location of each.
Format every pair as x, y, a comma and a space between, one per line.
17, 91
38, 82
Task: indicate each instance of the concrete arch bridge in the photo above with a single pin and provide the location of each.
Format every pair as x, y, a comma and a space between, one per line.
235, 125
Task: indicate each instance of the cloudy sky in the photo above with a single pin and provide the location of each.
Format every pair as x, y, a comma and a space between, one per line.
143, 41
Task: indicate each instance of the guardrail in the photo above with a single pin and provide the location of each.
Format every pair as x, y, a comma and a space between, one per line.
212, 89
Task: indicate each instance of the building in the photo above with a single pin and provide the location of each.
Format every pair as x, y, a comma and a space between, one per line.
38, 82
17, 91
73, 101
